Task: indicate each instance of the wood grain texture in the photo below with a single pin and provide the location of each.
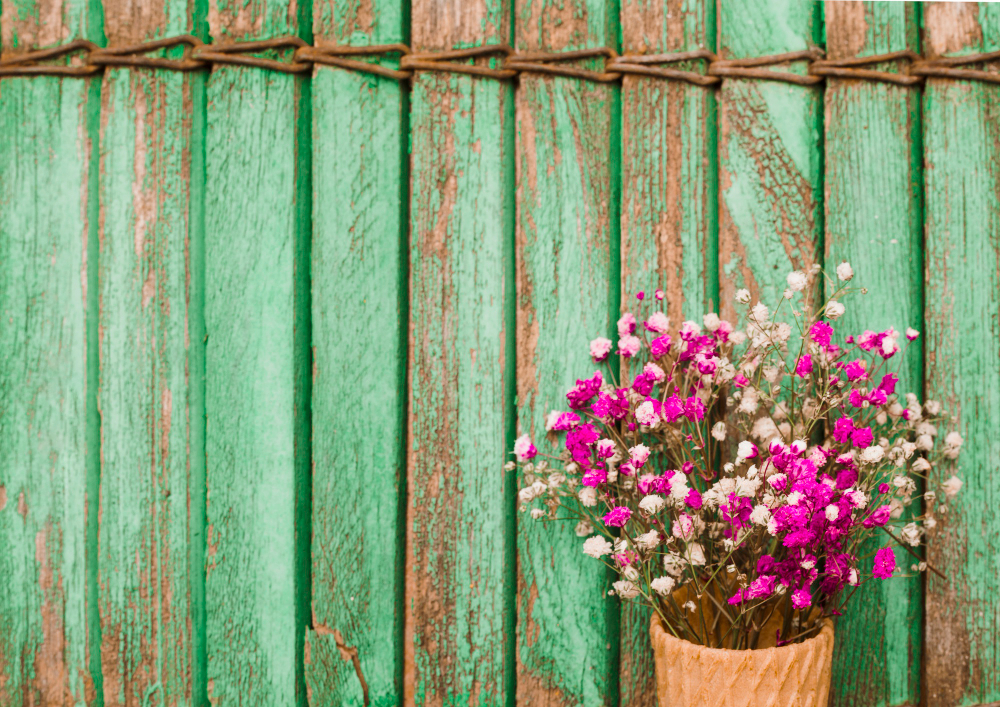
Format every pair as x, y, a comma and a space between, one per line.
45, 387
147, 503
459, 565
874, 221
669, 216
770, 153
254, 268
565, 216
962, 176
359, 300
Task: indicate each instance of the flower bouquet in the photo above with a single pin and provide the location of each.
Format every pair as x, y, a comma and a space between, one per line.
732, 477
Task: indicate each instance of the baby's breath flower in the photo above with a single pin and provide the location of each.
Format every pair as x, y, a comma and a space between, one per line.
952, 486
597, 547
834, 310
583, 529
626, 589
743, 296
796, 281
845, 272
663, 585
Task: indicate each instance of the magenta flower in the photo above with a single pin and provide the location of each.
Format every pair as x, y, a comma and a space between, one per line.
693, 499
888, 384
862, 437
885, 563
694, 408
821, 333
585, 390
879, 517
617, 517
626, 325
524, 449
855, 370
804, 368
660, 346
801, 598
672, 409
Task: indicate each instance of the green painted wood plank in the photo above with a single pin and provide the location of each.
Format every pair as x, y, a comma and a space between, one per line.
256, 265
460, 574
566, 210
874, 221
669, 216
962, 176
46, 393
770, 153
150, 503
360, 294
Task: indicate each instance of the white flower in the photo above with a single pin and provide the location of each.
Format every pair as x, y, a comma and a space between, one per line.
737, 337
683, 527
711, 321
631, 573
796, 281
662, 585
772, 526
625, 589
745, 450
873, 454
646, 415
678, 487
834, 309
793, 498
952, 486
953, 444
920, 464
719, 431
597, 547
652, 504
537, 513
690, 606
760, 312
925, 443
749, 401
808, 564
526, 495
852, 578
556, 480
930, 522
760, 515
674, 564
787, 293
747, 488
658, 322
845, 272
583, 529
933, 407
539, 487
600, 348
858, 499
832, 512
647, 541
639, 453
911, 333
764, 429
587, 496
743, 296
696, 554
910, 534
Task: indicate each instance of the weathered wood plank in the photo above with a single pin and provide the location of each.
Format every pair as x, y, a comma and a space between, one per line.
770, 152
360, 294
46, 395
669, 216
566, 214
460, 572
873, 220
256, 253
148, 507
962, 176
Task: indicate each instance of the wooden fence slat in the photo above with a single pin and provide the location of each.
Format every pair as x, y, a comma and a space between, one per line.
148, 507
770, 153
46, 230
566, 213
359, 299
459, 563
669, 216
873, 220
256, 268
962, 176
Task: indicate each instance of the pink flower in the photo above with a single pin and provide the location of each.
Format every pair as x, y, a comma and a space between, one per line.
594, 477
804, 368
880, 516
885, 563
646, 413
693, 499
867, 341
561, 421
629, 345
761, 587
683, 527
648, 482
626, 325
660, 346
856, 398
888, 384
801, 598
654, 372
617, 517
821, 333
855, 370
524, 449
741, 380
862, 437
673, 408
585, 389
694, 408
600, 348
605, 448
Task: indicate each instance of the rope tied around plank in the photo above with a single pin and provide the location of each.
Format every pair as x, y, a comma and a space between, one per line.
502, 62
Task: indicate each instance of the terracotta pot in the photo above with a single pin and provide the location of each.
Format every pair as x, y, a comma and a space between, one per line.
689, 675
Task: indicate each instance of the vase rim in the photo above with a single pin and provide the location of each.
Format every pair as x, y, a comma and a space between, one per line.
659, 632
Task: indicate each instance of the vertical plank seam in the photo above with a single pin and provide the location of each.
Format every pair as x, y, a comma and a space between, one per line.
94, 31
509, 137
198, 484
402, 367
302, 347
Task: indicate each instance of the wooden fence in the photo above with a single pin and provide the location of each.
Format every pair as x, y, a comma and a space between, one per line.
264, 339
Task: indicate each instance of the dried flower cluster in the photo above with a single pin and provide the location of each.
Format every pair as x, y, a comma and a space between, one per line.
732, 476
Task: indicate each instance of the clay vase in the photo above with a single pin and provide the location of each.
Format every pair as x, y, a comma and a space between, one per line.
689, 675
